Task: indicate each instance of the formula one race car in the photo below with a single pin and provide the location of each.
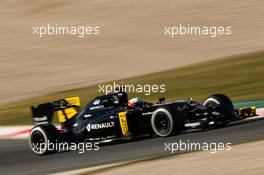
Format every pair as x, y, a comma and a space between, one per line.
112, 117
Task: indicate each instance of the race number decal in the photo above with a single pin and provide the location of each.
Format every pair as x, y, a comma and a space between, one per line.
123, 123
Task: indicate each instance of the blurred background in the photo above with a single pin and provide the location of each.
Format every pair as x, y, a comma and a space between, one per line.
130, 48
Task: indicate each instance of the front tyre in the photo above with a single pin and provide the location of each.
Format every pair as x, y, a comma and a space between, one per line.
165, 122
42, 139
222, 104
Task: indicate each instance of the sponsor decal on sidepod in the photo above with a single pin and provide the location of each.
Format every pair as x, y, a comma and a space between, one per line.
100, 125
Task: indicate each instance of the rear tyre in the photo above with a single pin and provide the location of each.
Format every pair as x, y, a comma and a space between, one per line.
166, 122
42, 139
222, 104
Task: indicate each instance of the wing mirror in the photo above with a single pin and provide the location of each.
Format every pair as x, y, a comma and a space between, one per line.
162, 99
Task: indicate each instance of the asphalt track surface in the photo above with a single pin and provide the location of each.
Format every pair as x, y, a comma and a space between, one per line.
17, 158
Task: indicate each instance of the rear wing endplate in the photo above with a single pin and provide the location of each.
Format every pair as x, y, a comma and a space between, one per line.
65, 109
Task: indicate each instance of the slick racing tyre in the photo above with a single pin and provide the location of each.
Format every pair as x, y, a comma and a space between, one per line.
222, 104
167, 122
42, 139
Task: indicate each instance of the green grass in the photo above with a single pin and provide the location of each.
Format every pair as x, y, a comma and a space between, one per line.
240, 77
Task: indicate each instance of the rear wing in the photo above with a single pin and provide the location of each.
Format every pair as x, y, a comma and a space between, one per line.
65, 109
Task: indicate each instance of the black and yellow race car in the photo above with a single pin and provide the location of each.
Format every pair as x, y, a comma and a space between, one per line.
111, 118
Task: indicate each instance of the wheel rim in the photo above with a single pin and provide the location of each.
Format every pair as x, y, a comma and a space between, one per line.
216, 107
38, 142
162, 123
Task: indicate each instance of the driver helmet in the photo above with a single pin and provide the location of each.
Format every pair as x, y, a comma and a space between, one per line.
135, 102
